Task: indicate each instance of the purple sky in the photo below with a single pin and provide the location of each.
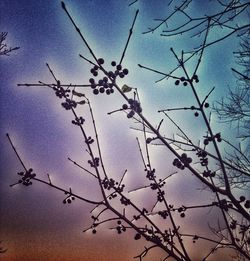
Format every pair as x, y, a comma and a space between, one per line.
34, 222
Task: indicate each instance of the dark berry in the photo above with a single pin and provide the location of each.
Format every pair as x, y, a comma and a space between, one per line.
195, 77
219, 139
196, 114
100, 61
125, 71
206, 105
247, 204
182, 79
102, 90
121, 75
110, 74
113, 63
105, 79
130, 114
119, 67
95, 91
108, 92
242, 198
95, 73
137, 236
94, 231
177, 82
91, 80
100, 82
125, 106
206, 142
185, 83
112, 90
182, 215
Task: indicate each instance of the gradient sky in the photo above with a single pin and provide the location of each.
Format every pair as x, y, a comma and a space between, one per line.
35, 225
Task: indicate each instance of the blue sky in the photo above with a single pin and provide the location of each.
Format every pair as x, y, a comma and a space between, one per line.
42, 132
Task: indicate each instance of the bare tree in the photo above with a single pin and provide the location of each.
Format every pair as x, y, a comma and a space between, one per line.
161, 225
4, 49
235, 108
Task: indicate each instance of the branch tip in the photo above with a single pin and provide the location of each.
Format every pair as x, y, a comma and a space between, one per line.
63, 5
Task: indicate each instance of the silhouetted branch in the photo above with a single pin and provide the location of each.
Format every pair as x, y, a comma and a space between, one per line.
4, 49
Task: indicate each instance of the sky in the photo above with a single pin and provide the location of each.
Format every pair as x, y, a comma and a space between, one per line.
35, 225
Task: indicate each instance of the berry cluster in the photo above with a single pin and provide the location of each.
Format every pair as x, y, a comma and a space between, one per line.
105, 85
94, 163
163, 214
78, 121
203, 157
60, 91
69, 104
125, 201
182, 79
246, 202
26, 177
134, 107
160, 195
159, 185
89, 140
102, 86
181, 210
217, 136
68, 199
120, 228
185, 81
112, 184
208, 173
183, 162
151, 174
